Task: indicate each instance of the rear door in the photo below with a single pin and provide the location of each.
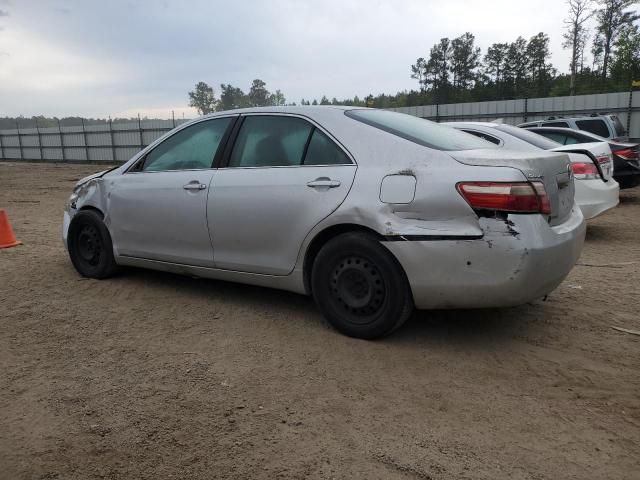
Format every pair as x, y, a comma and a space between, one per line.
158, 209
283, 175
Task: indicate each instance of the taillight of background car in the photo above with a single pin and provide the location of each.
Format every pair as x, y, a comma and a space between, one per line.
585, 171
627, 154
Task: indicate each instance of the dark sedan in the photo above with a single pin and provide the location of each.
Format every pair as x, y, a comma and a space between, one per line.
626, 158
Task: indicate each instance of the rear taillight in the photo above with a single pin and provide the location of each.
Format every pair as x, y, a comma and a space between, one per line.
514, 197
627, 154
585, 171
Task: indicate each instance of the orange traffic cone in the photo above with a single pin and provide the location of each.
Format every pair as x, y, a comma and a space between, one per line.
7, 238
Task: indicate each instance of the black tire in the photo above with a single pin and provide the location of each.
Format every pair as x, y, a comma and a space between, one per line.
360, 287
90, 246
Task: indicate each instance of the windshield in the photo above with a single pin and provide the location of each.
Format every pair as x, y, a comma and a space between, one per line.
529, 137
419, 130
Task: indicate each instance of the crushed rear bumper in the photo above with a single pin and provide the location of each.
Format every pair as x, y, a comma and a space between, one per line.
517, 260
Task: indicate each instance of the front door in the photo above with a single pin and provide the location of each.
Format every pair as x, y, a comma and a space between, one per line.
283, 176
158, 209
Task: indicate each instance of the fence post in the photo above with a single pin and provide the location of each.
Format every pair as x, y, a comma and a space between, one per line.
173, 117
629, 111
526, 108
113, 147
437, 113
64, 158
84, 136
1, 148
39, 141
140, 132
19, 141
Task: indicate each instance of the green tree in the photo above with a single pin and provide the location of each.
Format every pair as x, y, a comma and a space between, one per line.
611, 18
203, 98
231, 98
625, 66
258, 94
324, 101
517, 67
540, 69
575, 35
437, 70
277, 99
495, 64
419, 72
465, 59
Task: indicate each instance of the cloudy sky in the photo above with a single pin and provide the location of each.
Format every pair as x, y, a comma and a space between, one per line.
121, 57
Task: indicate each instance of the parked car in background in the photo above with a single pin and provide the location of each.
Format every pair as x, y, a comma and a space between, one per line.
626, 156
606, 126
371, 212
591, 163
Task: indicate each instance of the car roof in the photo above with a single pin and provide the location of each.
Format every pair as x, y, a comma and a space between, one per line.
473, 124
308, 110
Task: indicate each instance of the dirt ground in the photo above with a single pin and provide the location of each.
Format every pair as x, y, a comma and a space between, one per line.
152, 376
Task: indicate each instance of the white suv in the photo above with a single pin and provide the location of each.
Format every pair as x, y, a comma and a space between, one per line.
607, 126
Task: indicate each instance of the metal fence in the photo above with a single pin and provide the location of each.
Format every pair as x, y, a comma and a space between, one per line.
120, 141
625, 105
108, 143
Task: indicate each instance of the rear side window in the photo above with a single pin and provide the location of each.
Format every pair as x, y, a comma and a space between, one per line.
556, 137
322, 151
620, 131
594, 125
556, 124
529, 137
484, 136
418, 130
270, 141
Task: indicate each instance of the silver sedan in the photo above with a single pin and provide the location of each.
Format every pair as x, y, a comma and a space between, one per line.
371, 212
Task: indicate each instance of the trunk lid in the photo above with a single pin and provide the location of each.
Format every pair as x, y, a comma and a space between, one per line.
597, 152
553, 169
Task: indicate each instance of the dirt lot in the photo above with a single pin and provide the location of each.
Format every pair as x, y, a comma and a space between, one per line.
151, 375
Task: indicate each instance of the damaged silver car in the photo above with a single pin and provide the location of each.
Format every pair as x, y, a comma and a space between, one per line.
371, 212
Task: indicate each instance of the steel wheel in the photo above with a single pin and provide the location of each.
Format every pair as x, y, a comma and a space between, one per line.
89, 245
358, 287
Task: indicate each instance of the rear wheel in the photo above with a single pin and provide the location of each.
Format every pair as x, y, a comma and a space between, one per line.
360, 287
90, 246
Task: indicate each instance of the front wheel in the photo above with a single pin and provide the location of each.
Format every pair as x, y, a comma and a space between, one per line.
360, 287
90, 246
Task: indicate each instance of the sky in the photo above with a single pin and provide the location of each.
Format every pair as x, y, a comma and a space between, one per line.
98, 58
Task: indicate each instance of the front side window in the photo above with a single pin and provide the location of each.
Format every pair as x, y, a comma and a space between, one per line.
270, 141
191, 148
595, 125
418, 130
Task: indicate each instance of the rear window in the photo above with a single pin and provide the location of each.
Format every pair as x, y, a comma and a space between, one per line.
418, 130
529, 137
594, 125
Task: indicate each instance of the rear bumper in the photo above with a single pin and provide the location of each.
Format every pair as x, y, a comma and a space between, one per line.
595, 197
514, 263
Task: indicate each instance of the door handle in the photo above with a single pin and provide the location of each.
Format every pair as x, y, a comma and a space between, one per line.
323, 182
194, 185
